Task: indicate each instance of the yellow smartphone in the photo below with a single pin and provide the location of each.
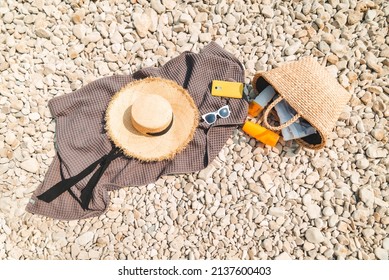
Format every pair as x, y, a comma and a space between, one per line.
227, 89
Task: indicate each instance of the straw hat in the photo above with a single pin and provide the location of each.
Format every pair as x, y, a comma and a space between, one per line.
151, 119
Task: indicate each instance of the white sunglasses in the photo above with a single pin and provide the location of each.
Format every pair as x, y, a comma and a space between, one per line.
223, 112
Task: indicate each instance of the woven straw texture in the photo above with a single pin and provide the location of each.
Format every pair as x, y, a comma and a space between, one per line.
81, 137
149, 148
311, 91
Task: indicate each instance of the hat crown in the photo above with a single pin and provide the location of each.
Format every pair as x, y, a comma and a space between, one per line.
151, 113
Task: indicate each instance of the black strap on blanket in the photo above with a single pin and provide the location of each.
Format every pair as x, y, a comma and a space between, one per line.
86, 194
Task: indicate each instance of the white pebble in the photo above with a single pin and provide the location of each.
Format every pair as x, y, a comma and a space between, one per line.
157, 6
385, 244
91, 38
276, 211
362, 163
34, 116
30, 165
186, 19
381, 253
85, 238
292, 49
268, 11
367, 196
8, 17
313, 211
314, 235
79, 31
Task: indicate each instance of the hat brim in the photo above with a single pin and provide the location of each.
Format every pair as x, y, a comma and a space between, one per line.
120, 130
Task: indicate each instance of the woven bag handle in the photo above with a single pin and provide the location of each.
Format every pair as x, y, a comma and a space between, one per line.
282, 126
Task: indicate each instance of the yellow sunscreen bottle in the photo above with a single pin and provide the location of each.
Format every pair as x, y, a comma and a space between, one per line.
260, 133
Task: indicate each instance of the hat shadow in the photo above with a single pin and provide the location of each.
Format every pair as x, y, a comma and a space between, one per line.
127, 116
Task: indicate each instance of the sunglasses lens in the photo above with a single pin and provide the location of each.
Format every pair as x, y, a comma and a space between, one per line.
224, 113
210, 118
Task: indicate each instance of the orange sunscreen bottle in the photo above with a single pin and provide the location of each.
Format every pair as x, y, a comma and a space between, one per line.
256, 106
260, 133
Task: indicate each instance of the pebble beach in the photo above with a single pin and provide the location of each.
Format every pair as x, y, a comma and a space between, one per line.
253, 202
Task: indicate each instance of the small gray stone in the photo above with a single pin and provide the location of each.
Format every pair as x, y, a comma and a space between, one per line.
314, 235
30, 165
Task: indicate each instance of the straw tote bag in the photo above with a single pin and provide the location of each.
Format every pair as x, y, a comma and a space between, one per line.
311, 91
